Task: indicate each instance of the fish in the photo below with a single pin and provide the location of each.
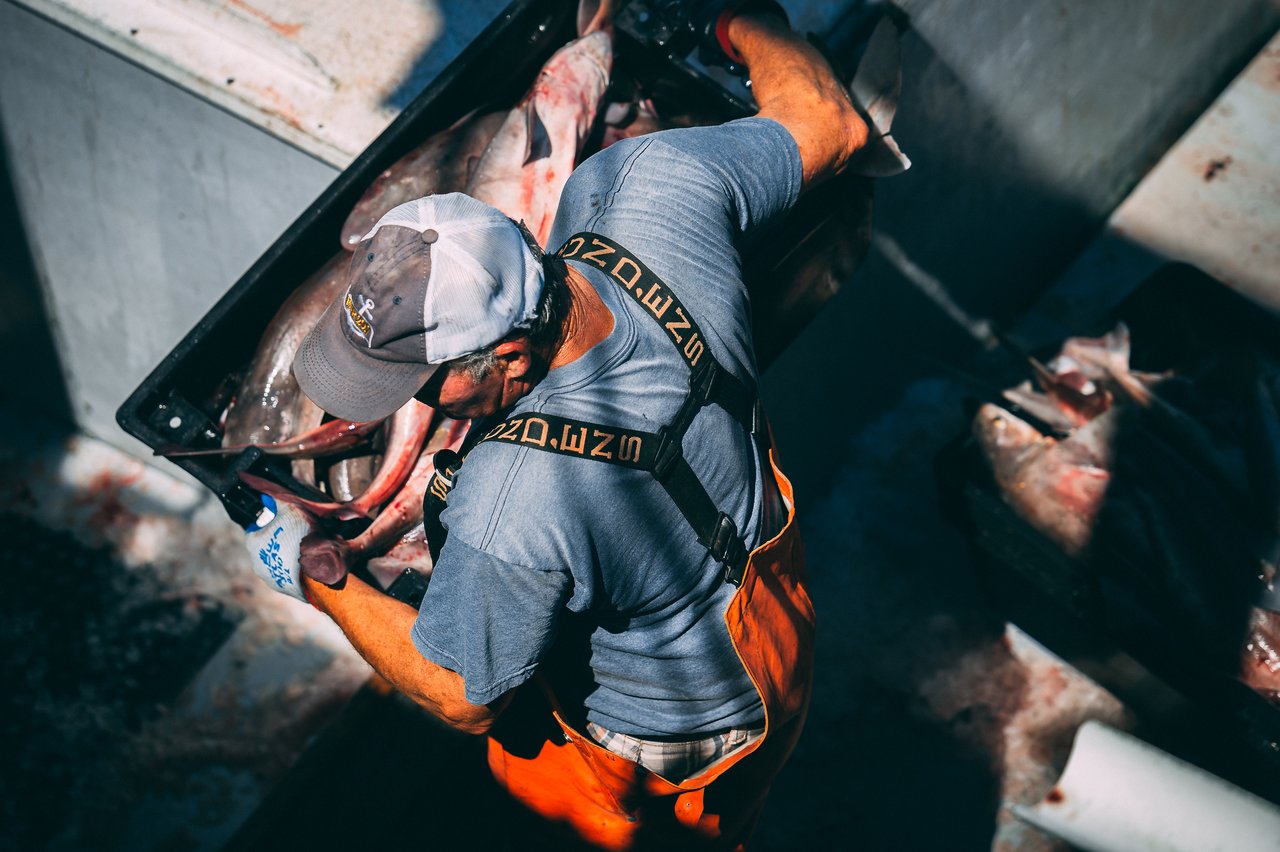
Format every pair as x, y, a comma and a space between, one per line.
1055, 486
268, 405
410, 553
348, 477
1027, 400
1081, 381
629, 119
524, 169
303, 467
1089, 373
404, 511
1152, 484
328, 559
325, 439
1260, 660
406, 431
443, 163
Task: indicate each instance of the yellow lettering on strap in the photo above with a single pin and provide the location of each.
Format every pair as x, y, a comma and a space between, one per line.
632, 266
541, 440
574, 440
605, 439
594, 256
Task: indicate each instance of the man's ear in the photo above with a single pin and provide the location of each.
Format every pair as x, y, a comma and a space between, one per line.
515, 357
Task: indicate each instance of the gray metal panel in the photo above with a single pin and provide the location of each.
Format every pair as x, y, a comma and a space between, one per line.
141, 205
325, 75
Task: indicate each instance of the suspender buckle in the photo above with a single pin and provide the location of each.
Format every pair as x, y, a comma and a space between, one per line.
703, 380
728, 549
668, 453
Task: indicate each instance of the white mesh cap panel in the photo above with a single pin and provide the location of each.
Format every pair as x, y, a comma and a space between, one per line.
484, 279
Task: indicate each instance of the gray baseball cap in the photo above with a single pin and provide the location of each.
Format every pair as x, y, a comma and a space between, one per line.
435, 279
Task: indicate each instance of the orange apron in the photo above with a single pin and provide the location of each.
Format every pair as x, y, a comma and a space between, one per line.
608, 802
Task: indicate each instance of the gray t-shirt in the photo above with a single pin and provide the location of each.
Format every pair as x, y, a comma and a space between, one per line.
547, 550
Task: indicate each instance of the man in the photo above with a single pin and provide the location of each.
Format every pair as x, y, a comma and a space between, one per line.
620, 601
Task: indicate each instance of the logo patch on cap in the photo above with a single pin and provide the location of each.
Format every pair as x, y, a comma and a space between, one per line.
359, 319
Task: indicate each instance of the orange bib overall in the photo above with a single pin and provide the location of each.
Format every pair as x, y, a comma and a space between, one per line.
612, 803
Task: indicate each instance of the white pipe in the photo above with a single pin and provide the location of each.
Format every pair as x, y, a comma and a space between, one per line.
1119, 794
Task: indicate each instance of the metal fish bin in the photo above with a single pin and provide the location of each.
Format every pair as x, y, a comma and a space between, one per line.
180, 403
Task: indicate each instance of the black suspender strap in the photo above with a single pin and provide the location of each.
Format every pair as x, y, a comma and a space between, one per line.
710, 381
661, 453
656, 452
580, 438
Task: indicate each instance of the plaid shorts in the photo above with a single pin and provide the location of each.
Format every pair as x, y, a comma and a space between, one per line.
679, 759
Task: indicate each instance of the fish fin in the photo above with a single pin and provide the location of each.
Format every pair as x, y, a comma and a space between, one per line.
880, 158
874, 90
537, 139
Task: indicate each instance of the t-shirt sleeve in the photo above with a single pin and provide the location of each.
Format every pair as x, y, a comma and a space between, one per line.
489, 620
756, 160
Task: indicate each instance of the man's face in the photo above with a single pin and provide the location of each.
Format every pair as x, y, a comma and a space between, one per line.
455, 394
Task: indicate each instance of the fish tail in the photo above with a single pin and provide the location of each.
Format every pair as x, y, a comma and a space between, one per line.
874, 91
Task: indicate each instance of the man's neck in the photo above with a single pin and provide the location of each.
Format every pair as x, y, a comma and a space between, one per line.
586, 323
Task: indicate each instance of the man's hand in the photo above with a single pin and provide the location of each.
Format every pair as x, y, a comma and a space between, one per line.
794, 85
273, 542
282, 541
706, 24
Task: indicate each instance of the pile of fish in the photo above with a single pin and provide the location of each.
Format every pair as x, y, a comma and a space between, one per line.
377, 473
517, 160
1167, 486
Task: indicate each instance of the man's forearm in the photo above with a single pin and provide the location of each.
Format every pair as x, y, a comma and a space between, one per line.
794, 85
378, 627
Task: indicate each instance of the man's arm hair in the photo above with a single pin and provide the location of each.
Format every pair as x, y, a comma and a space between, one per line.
794, 86
379, 626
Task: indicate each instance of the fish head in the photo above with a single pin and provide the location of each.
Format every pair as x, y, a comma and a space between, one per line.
1053, 485
587, 60
1009, 443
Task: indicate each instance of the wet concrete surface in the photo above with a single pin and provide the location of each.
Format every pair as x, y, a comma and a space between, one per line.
155, 691
93, 653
